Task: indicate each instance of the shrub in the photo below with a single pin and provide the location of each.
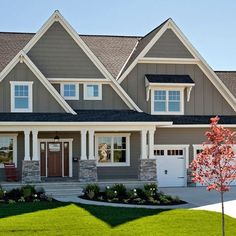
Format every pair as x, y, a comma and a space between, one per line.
120, 190
22, 199
92, 188
165, 199
14, 194
2, 193
150, 189
28, 191
141, 193
11, 201
110, 193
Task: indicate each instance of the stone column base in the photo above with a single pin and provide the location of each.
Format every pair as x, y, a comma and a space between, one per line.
148, 170
31, 172
88, 171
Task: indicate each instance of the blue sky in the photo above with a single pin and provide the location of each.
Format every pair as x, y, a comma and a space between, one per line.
210, 25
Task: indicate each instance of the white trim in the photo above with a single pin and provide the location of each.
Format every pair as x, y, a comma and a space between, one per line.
112, 135
15, 154
83, 144
78, 80
76, 97
30, 96
27, 145
159, 60
35, 156
86, 97
57, 17
211, 75
69, 140
167, 89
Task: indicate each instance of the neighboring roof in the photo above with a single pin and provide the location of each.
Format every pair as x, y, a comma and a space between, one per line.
229, 79
110, 116
159, 78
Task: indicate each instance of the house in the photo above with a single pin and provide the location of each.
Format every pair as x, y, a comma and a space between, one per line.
107, 108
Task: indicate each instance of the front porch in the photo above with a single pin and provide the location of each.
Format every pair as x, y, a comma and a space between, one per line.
75, 153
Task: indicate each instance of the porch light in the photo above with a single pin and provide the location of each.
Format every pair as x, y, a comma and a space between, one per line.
56, 138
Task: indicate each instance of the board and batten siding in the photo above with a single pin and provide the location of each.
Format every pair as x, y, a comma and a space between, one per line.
43, 101
110, 99
124, 172
169, 46
205, 99
57, 55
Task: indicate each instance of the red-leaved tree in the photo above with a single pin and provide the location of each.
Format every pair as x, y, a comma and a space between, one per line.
215, 166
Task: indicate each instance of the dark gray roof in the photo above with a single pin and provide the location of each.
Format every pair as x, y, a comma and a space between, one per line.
159, 78
110, 116
229, 79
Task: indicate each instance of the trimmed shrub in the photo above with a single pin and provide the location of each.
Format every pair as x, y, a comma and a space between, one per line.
92, 190
28, 191
120, 190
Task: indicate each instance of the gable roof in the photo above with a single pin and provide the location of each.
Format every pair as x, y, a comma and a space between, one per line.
115, 54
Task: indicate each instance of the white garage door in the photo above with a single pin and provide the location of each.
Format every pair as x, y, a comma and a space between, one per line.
171, 171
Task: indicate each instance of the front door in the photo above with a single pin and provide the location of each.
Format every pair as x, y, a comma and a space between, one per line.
54, 159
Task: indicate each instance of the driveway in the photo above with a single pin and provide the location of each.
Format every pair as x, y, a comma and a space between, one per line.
205, 200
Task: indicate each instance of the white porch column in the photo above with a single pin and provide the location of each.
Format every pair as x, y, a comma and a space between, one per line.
35, 145
27, 145
151, 143
143, 144
83, 144
91, 144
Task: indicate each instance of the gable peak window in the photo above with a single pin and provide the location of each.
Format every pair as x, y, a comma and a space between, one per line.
21, 96
92, 91
70, 91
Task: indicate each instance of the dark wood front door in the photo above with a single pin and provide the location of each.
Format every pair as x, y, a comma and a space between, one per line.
54, 159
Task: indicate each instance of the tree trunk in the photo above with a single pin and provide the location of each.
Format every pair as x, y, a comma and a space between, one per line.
222, 213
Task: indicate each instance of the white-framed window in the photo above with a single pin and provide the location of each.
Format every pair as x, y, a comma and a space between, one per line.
21, 96
92, 91
167, 101
112, 149
8, 149
70, 91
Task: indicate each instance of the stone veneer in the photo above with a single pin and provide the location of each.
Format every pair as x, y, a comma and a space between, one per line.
88, 171
30, 172
148, 170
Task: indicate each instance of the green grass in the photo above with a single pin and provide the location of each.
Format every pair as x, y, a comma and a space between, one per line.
57, 218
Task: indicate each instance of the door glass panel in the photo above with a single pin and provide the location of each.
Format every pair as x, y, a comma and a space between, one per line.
54, 147
42, 146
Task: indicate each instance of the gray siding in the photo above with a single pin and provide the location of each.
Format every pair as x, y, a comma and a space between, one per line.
127, 172
169, 46
57, 55
204, 100
43, 101
110, 99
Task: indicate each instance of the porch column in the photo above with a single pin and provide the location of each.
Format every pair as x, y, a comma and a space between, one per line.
91, 144
35, 145
143, 144
27, 145
83, 144
147, 162
151, 143
31, 168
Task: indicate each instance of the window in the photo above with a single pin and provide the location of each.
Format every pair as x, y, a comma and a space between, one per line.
92, 92
175, 152
112, 150
167, 101
8, 150
70, 91
21, 96
159, 152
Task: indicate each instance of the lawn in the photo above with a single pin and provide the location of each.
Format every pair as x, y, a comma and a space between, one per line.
55, 218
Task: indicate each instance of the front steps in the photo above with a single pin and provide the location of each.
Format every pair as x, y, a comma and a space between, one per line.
54, 189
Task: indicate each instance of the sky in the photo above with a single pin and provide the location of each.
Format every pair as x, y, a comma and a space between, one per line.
210, 25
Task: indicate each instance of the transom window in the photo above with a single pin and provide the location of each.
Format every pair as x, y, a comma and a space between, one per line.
70, 91
112, 150
92, 91
167, 101
21, 96
7, 149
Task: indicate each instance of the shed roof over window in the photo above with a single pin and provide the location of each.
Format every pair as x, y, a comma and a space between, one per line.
172, 79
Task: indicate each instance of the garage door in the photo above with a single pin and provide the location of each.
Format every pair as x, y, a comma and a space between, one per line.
171, 171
